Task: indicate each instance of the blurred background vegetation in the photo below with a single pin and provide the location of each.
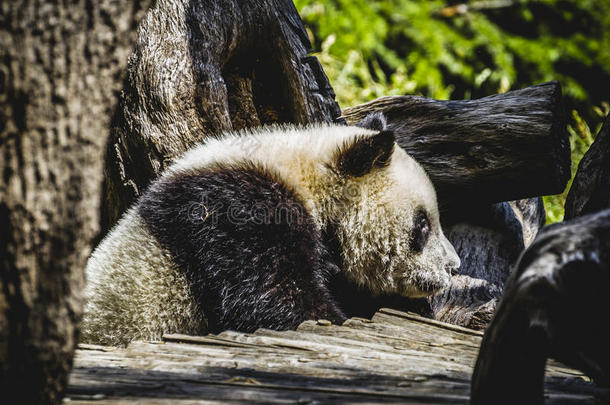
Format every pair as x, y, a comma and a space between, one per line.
462, 50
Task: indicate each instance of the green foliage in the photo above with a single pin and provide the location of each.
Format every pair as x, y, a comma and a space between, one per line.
581, 137
384, 47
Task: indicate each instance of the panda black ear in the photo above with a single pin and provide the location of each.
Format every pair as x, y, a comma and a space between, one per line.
366, 152
375, 121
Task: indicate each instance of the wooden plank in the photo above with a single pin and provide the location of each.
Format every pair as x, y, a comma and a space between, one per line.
414, 317
284, 378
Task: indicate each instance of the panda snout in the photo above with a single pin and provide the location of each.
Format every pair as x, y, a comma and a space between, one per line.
453, 260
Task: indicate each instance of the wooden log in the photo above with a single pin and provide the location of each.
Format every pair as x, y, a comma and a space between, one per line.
488, 240
498, 148
201, 68
590, 191
554, 306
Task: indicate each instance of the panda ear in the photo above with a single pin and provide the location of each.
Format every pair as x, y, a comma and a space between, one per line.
362, 154
375, 121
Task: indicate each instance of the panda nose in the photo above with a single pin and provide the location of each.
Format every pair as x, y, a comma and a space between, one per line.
453, 263
452, 269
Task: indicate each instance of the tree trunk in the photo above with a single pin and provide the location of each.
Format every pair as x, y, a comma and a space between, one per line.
203, 67
554, 305
498, 148
60, 74
590, 191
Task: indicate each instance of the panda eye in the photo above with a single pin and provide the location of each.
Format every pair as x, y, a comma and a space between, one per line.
421, 231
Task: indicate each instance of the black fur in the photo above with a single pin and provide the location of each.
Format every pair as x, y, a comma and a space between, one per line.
359, 302
360, 157
375, 121
420, 231
250, 251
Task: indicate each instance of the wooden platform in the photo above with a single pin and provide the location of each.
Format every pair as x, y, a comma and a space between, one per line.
393, 358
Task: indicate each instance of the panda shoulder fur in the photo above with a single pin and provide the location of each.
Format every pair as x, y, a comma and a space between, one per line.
236, 234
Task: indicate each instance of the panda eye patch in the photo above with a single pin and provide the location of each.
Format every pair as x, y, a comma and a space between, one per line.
421, 231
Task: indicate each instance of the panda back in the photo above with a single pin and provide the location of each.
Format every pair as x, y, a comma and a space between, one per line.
135, 290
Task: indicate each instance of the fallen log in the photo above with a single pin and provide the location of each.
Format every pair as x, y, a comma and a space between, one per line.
590, 191
498, 148
553, 306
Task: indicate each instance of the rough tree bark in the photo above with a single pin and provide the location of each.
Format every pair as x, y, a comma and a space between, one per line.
590, 191
553, 306
201, 68
60, 74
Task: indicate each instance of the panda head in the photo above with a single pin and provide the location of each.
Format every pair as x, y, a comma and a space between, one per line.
386, 217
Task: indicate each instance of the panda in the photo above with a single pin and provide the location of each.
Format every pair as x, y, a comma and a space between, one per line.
246, 231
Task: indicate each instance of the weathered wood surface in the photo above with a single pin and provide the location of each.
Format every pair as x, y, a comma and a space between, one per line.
488, 240
590, 190
201, 68
555, 305
498, 148
395, 358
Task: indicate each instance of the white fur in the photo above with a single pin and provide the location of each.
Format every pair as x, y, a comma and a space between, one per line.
297, 154
133, 290
375, 232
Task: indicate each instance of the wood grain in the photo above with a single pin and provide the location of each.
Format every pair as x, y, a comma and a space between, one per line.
61, 66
